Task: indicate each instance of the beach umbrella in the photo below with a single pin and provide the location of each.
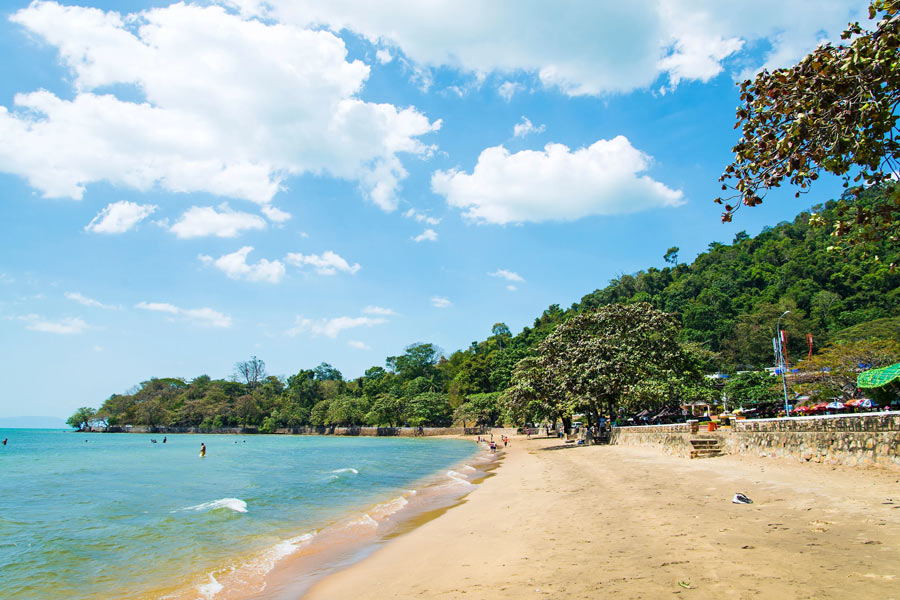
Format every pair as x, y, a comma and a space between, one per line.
835, 406
874, 378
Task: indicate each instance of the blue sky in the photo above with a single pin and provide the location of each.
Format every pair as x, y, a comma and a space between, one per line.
187, 185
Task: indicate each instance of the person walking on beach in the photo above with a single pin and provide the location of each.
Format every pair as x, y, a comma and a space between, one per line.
202, 449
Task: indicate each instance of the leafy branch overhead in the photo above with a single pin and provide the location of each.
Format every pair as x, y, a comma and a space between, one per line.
834, 112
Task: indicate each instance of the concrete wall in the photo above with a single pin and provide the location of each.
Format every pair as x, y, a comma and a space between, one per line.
858, 439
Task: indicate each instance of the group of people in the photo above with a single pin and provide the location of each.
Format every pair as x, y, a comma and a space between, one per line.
492, 444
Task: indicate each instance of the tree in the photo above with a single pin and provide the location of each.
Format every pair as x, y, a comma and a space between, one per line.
756, 387
418, 360
836, 367
252, 371
325, 372
671, 255
833, 112
617, 358
82, 418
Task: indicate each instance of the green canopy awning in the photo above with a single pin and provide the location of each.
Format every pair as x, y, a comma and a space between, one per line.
874, 378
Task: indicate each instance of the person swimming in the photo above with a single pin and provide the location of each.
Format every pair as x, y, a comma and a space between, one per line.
5, 440
202, 450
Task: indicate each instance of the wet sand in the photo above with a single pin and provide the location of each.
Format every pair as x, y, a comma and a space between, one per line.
609, 521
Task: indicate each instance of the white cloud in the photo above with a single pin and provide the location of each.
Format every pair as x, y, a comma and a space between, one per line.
230, 106
524, 127
66, 326
512, 288
331, 327
383, 56
556, 184
507, 275
440, 302
421, 217
84, 300
358, 345
202, 221
429, 235
117, 217
235, 266
205, 317
589, 48
378, 310
327, 263
508, 89
274, 214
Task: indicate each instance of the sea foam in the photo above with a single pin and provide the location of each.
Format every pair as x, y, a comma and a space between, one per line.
348, 470
458, 477
235, 504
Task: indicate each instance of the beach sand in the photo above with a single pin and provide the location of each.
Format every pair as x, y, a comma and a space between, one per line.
621, 522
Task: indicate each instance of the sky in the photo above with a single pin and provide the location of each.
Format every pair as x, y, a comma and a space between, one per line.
188, 185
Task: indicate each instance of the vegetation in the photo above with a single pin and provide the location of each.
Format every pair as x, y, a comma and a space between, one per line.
833, 112
641, 342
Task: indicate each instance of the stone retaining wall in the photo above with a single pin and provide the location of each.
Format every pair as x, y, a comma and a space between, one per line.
858, 439
671, 439
862, 439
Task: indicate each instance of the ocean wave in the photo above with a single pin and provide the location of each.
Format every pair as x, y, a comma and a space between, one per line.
235, 504
364, 520
209, 590
468, 468
347, 470
385, 509
458, 477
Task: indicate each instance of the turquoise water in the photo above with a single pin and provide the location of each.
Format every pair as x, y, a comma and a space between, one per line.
114, 515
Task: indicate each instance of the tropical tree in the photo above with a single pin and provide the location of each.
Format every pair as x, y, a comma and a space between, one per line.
835, 368
82, 418
834, 112
617, 358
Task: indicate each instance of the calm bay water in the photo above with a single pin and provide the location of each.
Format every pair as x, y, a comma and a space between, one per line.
116, 516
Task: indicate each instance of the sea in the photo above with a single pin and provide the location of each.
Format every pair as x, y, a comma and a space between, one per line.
261, 516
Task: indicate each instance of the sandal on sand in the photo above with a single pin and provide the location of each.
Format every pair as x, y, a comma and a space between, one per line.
741, 499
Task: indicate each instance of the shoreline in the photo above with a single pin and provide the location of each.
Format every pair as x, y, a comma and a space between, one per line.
633, 522
289, 567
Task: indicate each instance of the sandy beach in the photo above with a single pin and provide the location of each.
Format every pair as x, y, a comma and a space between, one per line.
610, 521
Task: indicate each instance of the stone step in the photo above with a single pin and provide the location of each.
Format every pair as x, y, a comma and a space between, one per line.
705, 443
705, 453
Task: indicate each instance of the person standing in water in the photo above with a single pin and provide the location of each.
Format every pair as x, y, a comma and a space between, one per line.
202, 449
5, 440
164, 439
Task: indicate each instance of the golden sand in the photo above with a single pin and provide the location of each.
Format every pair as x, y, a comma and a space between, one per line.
617, 522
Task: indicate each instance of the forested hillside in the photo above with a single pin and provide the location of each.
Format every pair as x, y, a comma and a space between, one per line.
726, 303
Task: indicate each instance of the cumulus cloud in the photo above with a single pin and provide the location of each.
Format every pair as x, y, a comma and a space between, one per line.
331, 327
383, 56
235, 266
593, 48
117, 217
556, 184
421, 217
429, 235
524, 127
508, 89
231, 105
204, 317
66, 326
203, 221
276, 215
440, 302
358, 345
378, 310
85, 301
327, 263
507, 275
